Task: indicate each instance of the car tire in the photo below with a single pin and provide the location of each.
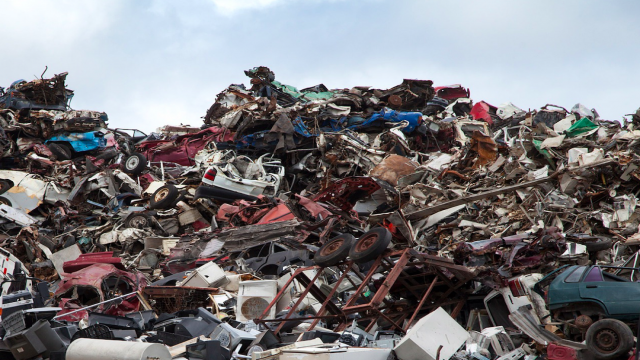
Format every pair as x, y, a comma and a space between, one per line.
4, 186
4, 200
107, 154
181, 197
47, 242
164, 197
135, 164
137, 221
609, 339
334, 250
60, 151
370, 245
598, 245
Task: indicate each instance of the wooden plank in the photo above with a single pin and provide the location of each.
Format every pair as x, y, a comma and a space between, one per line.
182, 347
143, 301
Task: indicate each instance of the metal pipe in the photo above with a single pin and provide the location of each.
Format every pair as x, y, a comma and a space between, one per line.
94, 305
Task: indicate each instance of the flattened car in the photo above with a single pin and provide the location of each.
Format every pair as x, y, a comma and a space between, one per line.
184, 148
239, 177
26, 192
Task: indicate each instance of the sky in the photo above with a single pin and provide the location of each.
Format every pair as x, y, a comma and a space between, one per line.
153, 63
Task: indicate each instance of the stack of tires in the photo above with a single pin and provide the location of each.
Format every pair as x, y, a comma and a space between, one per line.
368, 247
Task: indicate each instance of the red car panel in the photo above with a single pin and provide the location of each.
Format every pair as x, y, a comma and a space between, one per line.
183, 149
481, 111
452, 92
86, 260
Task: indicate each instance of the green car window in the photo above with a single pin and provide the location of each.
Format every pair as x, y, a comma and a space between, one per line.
575, 275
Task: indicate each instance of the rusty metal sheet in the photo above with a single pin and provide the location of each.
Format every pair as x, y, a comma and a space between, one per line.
486, 148
392, 168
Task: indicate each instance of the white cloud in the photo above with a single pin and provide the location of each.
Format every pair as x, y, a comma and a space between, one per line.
43, 24
229, 7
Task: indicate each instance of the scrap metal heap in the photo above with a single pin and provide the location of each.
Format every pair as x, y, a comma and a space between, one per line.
408, 222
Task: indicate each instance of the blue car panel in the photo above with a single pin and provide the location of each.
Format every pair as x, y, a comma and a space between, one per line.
413, 119
93, 140
387, 115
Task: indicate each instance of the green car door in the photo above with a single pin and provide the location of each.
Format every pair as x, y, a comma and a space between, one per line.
620, 297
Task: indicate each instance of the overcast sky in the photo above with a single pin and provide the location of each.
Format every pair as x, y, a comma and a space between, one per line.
151, 63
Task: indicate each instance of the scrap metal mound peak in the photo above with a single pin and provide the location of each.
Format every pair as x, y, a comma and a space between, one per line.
409, 223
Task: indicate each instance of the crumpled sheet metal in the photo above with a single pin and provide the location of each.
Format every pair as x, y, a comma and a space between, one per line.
393, 168
93, 277
171, 151
486, 148
28, 192
344, 193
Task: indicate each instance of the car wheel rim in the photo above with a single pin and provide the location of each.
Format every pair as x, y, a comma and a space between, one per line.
331, 247
132, 162
5, 202
161, 195
366, 242
607, 340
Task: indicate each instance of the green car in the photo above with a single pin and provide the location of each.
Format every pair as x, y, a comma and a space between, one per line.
599, 302
589, 290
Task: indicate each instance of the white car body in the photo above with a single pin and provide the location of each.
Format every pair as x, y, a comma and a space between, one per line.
28, 192
242, 174
527, 299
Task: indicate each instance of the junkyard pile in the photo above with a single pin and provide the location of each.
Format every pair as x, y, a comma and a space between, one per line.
408, 223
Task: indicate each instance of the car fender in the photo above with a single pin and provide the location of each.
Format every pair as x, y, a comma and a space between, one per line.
580, 304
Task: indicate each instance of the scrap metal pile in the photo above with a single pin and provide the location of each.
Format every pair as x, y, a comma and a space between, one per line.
409, 222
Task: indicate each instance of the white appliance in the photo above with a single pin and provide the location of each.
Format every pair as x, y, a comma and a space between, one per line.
254, 297
207, 275
424, 338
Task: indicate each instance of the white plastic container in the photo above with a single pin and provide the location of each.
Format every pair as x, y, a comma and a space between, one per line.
94, 349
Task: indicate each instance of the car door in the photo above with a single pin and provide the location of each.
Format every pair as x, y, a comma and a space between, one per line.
618, 295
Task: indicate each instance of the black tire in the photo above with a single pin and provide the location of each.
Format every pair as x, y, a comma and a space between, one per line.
47, 242
598, 245
180, 197
69, 240
334, 250
370, 245
609, 339
135, 164
107, 154
138, 221
60, 151
4, 200
4, 186
164, 197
